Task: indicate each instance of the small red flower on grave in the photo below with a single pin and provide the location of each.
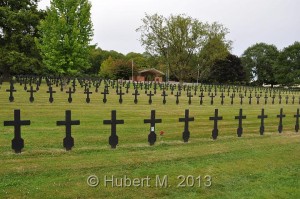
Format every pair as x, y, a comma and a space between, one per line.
161, 133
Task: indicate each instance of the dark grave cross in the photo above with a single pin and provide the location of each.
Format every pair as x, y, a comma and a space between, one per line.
186, 120
280, 99
50, 91
240, 118
195, 90
120, 95
190, 98
293, 99
266, 98
113, 138
104, 93
25, 85
11, 90
152, 121
250, 97
68, 141
222, 98
136, 93
70, 94
150, 97
17, 143
215, 131
241, 96
212, 98
297, 120
87, 92
74, 85
287, 99
257, 99
31, 98
201, 98
273, 97
262, 119
280, 116
231, 101
164, 96
172, 90
177, 97
127, 87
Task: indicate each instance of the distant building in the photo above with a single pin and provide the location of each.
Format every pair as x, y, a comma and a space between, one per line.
151, 74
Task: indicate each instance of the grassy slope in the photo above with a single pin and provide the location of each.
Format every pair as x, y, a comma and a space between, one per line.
253, 166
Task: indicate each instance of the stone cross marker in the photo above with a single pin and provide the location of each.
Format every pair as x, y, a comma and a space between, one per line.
152, 121
68, 141
87, 92
17, 143
70, 94
50, 91
164, 96
150, 97
136, 93
222, 98
177, 97
240, 118
113, 138
250, 97
241, 97
31, 98
257, 99
262, 119
201, 98
266, 99
120, 95
11, 90
215, 131
232, 96
104, 93
186, 120
212, 98
190, 96
297, 120
273, 97
280, 116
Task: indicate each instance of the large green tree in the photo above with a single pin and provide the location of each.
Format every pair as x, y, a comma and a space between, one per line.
228, 70
177, 39
65, 36
288, 65
18, 27
259, 61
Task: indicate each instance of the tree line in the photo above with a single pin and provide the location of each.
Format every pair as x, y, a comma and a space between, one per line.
56, 41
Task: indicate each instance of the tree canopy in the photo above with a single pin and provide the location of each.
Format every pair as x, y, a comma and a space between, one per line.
18, 27
259, 61
65, 35
288, 65
177, 39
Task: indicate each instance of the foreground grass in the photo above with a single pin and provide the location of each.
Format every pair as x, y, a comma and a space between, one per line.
252, 166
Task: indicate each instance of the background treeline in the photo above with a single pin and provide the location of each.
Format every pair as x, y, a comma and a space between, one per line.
56, 41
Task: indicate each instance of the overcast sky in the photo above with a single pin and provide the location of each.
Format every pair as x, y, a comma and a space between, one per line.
249, 21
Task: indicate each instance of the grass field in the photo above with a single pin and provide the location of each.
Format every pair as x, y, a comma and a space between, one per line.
252, 166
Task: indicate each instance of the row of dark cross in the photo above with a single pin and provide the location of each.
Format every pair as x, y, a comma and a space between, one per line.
164, 94
68, 141
96, 82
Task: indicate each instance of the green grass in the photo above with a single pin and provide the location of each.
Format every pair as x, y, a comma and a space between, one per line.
252, 166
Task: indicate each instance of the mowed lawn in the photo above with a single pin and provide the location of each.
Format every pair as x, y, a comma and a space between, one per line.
252, 166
